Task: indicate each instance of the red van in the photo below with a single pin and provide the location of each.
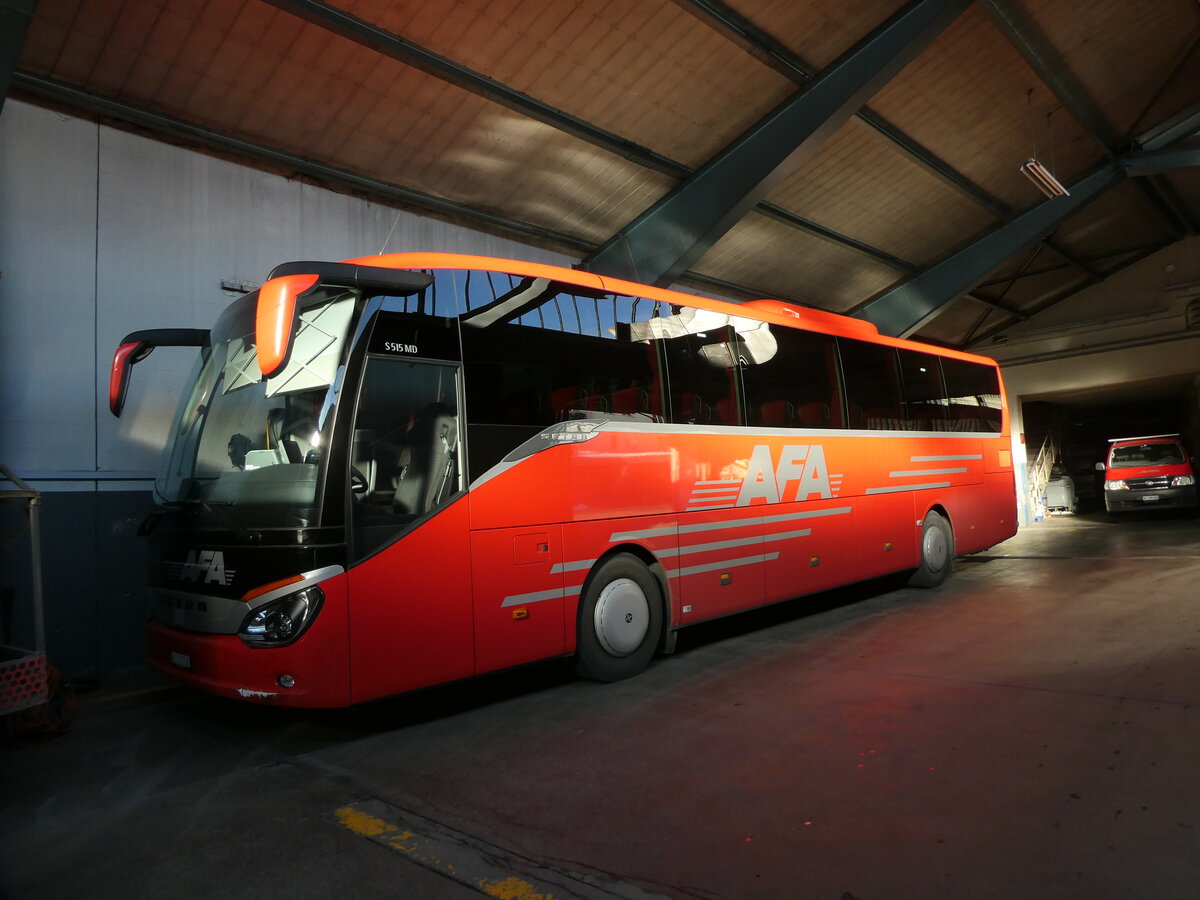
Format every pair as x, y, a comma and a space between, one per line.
1152, 472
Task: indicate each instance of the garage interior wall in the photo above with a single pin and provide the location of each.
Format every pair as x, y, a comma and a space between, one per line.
104, 232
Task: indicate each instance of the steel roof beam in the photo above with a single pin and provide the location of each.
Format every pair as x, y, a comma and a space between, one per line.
1183, 155
905, 308
392, 45
58, 92
767, 49
40, 86
15, 16
666, 239
1182, 125
1047, 64
1066, 293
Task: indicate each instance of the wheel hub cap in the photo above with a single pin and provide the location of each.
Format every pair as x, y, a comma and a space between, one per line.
622, 617
935, 549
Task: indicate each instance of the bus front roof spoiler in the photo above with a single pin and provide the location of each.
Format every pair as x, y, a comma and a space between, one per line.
278, 311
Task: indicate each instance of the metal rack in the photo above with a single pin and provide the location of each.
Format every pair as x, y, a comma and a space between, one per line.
23, 672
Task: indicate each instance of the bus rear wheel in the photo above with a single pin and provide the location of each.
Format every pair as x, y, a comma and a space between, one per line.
937, 552
620, 620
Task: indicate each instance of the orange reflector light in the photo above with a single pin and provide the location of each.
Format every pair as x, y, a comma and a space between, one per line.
814, 561
726, 578
267, 588
275, 319
521, 613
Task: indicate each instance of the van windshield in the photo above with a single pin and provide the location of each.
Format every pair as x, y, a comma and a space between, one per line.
250, 446
1160, 453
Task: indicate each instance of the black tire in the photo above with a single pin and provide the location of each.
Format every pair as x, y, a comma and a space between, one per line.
937, 552
620, 620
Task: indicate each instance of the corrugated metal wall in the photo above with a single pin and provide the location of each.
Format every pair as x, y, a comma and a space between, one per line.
103, 232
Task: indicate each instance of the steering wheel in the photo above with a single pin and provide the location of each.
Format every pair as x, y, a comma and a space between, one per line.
359, 486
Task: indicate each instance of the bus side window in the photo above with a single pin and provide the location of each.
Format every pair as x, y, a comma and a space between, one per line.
924, 394
796, 386
872, 385
973, 391
703, 375
539, 353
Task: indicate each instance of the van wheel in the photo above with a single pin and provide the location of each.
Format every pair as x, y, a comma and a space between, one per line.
620, 620
937, 552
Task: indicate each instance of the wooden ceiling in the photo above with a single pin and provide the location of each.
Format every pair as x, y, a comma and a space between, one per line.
572, 117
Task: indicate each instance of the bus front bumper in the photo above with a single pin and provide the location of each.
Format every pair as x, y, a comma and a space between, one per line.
297, 675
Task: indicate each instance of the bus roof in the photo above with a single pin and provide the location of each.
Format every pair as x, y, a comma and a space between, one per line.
774, 311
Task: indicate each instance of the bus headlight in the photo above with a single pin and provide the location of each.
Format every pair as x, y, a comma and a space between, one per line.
1183, 480
1116, 485
281, 621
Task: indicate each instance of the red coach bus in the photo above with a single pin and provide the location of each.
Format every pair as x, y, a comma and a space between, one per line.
404, 470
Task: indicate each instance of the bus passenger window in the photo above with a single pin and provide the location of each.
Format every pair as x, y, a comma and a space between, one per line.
872, 385
539, 353
796, 385
703, 374
924, 396
973, 390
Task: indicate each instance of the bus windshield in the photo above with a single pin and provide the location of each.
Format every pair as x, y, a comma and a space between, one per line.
248, 445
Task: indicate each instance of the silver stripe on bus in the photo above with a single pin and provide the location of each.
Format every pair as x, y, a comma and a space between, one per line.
807, 514
669, 530
727, 564
536, 597
579, 565
787, 535
945, 458
705, 548
895, 489
718, 490
917, 472
576, 566
725, 481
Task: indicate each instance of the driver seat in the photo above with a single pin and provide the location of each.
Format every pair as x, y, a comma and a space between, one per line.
428, 460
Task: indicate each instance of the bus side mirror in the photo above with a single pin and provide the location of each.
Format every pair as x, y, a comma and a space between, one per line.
126, 355
1099, 467
136, 347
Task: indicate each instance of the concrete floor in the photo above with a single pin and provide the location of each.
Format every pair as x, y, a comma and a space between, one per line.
1031, 729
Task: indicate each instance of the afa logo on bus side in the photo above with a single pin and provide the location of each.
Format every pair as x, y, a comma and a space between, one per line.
800, 474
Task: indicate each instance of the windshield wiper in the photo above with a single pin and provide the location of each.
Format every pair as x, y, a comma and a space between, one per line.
213, 508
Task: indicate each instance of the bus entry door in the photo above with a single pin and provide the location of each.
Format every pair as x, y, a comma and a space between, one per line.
518, 595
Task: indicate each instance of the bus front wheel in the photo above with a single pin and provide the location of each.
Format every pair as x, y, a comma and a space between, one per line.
620, 620
937, 552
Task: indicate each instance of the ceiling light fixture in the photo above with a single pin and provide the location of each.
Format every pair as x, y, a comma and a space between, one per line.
1040, 176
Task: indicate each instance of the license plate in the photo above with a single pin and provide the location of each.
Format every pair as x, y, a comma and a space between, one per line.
181, 659
1150, 498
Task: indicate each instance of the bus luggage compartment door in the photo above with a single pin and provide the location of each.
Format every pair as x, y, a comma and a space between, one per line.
518, 595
